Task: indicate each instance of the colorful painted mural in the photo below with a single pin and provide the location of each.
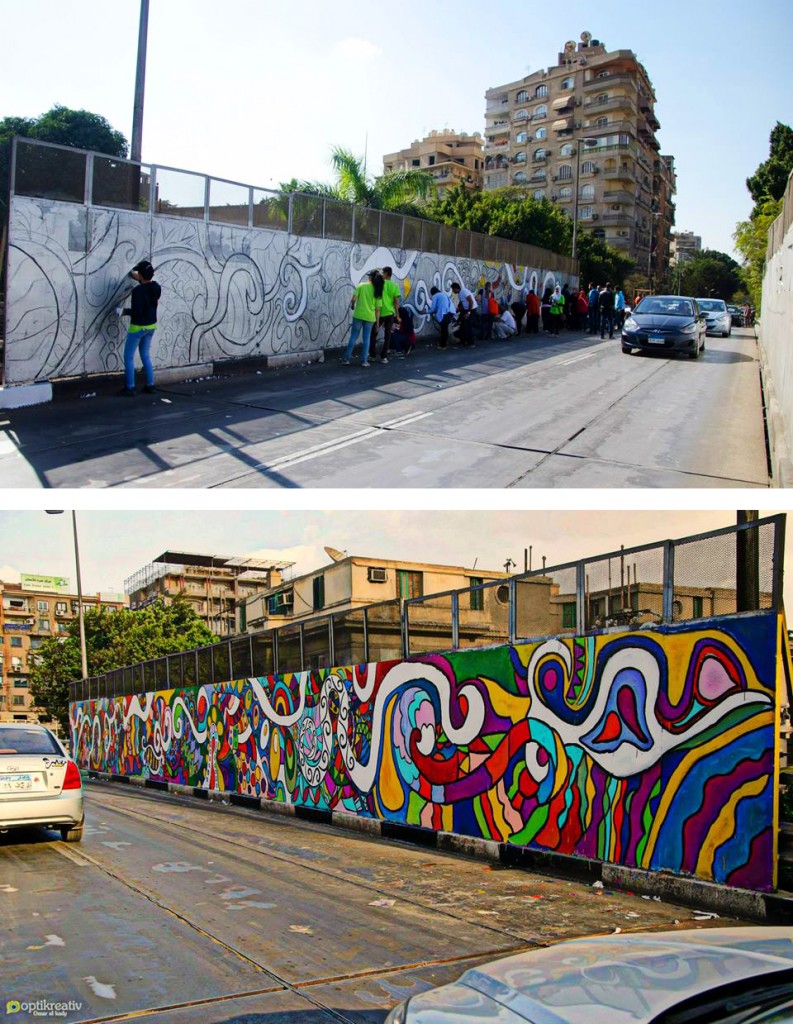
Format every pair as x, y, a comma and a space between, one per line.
652, 749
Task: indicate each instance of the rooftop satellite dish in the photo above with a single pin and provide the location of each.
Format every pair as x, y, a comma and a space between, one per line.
335, 554
586, 38
569, 45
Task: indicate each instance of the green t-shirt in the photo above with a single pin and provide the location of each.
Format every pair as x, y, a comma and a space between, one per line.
366, 307
390, 292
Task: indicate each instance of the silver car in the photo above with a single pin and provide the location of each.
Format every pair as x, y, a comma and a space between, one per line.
39, 783
724, 974
719, 317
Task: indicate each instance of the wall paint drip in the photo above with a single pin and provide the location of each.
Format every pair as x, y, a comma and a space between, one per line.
652, 749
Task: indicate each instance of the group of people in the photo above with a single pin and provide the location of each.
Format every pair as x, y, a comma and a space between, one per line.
469, 318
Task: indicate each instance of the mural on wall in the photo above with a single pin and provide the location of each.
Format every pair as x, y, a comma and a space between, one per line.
228, 292
649, 749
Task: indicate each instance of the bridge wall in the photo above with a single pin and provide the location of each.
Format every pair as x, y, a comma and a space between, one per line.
229, 293
653, 749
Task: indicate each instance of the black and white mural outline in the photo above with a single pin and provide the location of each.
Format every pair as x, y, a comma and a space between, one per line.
228, 292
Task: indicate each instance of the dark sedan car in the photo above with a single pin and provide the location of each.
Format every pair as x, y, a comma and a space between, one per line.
666, 323
736, 315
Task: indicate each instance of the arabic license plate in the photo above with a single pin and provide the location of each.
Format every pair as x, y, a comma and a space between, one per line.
655, 339
14, 783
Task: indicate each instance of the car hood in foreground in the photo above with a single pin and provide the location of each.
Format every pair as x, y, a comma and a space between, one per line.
613, 980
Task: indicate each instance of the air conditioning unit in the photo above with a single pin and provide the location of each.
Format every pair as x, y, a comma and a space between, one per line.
281, 604
376, 574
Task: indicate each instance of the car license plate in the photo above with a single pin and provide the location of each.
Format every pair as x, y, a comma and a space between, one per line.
14, 783
654, 339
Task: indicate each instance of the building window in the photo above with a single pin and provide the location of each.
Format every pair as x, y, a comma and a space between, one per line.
15, 641
522, 115
566, 150
520, 177
603, 74
318, 584
477, 596
61, 608
541, 92
588, 167
520, 158
44, 625
586, 213
602, 98
539, 194
541, 133
18, 701
541, 111
521, 138
588, 192
699, 608
540, 154
411, 584
20, 684
566, 172
602, 122
565, 192
522, 96
568, 615
568, 83
42, 606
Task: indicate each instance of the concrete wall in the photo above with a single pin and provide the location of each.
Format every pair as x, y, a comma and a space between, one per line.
229, 292
653, 749
776, 340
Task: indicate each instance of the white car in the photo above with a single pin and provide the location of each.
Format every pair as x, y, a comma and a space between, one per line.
719, 317
39, 783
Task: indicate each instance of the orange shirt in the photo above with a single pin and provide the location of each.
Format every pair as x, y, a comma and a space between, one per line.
533, 305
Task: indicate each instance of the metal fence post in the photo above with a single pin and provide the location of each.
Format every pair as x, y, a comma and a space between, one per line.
331, 643
402, 233
207, 198
403, 615
289, 213
300, 629
276, 657
352, 225
89, 180
512, 609
668, 609
152, 189
250, 207
779, 553
365, 636
580, 598
456, 621
13, 175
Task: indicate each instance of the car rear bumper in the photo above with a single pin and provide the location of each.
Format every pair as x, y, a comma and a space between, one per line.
63, 809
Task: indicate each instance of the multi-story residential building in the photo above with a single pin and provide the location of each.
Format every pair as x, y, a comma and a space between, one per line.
32, 611
213, 584
450, 157
684, 243
583, 134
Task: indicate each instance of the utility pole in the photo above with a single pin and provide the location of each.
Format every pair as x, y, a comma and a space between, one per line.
140, 84
747, 564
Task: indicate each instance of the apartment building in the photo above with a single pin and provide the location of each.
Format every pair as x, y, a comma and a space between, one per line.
450, 157
684, 243
213, 584
583, 134
32, 611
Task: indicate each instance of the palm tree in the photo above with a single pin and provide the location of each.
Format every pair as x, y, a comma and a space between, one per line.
396, 191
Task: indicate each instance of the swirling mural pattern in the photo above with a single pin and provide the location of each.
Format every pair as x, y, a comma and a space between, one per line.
650, 749
228, 292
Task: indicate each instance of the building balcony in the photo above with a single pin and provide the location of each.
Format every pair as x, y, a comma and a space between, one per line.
562, 199
618, 218
619, 195
612, 103
496, 144
603, 83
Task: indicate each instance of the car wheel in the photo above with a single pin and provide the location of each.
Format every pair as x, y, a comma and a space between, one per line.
627, 350
72, 835
695, 353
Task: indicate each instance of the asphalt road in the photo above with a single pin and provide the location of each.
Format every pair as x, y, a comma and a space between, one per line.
180, 912
544, 412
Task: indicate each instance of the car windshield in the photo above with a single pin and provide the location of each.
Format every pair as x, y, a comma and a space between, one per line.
665, 307
27, 741
712, 305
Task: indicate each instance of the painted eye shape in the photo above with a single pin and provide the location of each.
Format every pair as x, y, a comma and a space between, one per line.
537, 761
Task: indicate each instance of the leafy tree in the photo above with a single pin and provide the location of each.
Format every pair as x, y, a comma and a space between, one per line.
751, 241
112, 640
396, 191
770, 179
601, 262
710, 272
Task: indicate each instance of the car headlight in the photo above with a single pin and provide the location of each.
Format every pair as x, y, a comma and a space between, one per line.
689, 328
399, 1014
630, 325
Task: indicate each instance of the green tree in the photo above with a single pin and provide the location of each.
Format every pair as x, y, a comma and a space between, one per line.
711, 272
396, 191
751, 241
601, 262
770, 179
112, 640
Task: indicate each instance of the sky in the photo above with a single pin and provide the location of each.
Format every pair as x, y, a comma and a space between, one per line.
259, 92
114, 544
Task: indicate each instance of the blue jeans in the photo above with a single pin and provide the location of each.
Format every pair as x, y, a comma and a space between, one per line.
359, 327
138, 340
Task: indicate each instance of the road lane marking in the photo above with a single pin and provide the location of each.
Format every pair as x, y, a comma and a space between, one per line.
578, 359
76, 858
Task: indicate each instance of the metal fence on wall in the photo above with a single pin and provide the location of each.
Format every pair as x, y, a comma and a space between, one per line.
43, 170
724, 572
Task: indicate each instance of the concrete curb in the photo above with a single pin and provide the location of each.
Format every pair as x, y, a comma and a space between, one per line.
769, 908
